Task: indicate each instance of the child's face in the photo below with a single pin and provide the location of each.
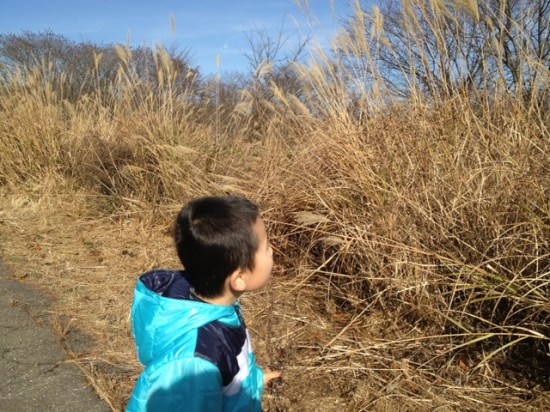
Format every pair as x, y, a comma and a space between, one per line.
263, 261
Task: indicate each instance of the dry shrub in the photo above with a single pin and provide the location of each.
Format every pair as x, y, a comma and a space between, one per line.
31, 138
441, 221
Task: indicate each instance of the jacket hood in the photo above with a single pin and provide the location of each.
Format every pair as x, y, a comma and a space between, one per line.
158, 322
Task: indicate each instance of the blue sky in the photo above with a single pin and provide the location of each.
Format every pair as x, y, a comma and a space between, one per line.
207, 27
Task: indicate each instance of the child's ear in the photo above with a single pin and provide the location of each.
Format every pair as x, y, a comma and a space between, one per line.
237, 281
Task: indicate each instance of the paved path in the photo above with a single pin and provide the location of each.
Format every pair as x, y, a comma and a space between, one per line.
34, 376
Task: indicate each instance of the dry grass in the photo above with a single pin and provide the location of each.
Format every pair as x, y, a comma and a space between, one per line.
412, 237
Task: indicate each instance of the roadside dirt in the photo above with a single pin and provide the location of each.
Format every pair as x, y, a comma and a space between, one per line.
34, 368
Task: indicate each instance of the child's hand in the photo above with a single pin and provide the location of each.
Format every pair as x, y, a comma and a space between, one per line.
269, 375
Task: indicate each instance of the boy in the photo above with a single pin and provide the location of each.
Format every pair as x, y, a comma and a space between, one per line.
188, 327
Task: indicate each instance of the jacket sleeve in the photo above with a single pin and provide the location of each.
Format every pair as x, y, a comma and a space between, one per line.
249, 396
188, 384
257, 374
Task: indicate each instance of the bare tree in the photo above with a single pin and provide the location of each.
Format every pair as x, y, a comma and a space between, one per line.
520, 32
84, 67
442, 47
271, 58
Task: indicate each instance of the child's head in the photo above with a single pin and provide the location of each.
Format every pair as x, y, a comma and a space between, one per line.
218, 236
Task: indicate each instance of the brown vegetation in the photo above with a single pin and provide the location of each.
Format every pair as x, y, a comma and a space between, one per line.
411, 230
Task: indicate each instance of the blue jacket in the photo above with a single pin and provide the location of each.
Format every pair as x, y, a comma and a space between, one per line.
197, 355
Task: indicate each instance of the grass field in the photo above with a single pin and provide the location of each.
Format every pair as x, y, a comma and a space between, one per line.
411, 234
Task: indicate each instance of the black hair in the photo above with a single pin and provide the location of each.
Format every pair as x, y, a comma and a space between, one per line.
215, 236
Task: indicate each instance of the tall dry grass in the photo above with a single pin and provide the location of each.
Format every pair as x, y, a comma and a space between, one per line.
412, 234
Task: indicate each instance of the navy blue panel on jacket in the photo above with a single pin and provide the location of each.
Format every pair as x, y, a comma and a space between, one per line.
166, 282
220, 344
